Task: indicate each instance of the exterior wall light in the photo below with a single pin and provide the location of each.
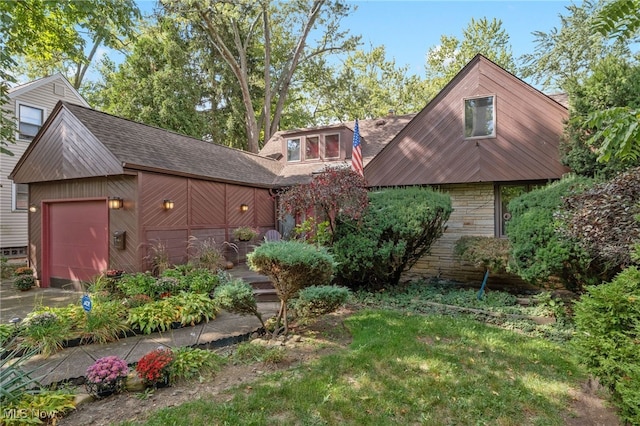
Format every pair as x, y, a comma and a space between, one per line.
244, 208
168, 204
115, 202
33, 208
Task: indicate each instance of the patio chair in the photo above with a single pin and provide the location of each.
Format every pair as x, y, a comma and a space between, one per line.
272, 235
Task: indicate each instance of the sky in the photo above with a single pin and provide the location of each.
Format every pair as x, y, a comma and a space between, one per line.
408, 29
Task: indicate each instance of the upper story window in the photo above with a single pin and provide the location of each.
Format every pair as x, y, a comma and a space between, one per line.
293, 150
479, 117
332, 146
20, 197
311, 148
30, 120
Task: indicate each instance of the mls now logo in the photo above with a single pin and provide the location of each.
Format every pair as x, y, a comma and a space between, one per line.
23, 413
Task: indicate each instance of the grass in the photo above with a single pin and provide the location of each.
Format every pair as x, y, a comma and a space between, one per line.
403, 368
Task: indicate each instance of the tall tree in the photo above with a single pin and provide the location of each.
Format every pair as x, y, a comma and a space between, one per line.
33, 28
161, 83
565, 55
365, 86
100, 23
250, 35
483, 36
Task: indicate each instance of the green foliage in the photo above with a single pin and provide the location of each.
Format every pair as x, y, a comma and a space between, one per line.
24, 282
248, 352
603, 220
194, 308
315, 301
539, 252
209, 254
484, 252
202, 280
138, 283
291, 266
45, 331
152, 317
619, 19
237, 297
397, 229
192, 363
45, 405
608, 330
6, 333
481, 36
314, 233
15, 379
106, 322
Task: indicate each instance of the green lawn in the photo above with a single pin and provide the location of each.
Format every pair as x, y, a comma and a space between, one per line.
407, 369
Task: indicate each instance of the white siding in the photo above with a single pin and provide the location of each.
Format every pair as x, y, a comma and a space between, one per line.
13, 224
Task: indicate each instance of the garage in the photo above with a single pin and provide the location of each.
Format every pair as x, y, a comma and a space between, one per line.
76, 241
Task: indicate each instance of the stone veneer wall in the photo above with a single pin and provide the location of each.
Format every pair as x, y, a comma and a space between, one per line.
473, 214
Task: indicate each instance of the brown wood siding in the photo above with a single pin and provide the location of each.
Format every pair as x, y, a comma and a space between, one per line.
432, 149
123, 219
237, 195
153, 190
67, 150
207, 203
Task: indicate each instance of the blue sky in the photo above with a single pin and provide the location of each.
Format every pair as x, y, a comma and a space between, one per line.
409, 28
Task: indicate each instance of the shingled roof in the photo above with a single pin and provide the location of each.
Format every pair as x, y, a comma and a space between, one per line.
374, 135
143, 147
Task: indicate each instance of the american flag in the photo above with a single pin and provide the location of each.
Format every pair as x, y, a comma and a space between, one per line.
356, 155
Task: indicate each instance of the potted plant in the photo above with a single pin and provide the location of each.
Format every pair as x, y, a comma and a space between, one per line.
245, 233
106, 376
23, 278
153, 368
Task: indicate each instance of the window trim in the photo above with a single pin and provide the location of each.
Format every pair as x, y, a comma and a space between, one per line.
17, 115
493, 135
324, 146
14, 198
320, 146
286, 149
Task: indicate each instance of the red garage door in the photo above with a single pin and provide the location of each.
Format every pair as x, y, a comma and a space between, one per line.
78, 243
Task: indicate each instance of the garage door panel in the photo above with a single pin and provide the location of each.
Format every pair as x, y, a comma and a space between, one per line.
79, 240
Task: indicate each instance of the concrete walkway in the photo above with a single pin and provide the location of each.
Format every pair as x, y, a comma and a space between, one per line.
73, 362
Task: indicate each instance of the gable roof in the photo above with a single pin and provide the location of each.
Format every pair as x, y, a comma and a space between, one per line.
32, 85
111, 145
374, 135
432, 149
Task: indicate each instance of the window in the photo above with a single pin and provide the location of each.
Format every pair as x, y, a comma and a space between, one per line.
312, 151
504, 195
479, 117
30, 120
332, 146
293, 150
20, 197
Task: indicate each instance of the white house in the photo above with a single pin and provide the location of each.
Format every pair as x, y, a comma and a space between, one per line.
30, 104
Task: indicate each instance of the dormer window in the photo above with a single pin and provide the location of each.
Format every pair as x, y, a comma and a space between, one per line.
479, 117
293, 150
313, 148
332, 146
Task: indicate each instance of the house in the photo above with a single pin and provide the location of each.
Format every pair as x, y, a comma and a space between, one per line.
30, 104
485, 138
106, 190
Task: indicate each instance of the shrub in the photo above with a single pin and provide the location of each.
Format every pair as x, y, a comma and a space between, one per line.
486, 253
193, 308
603, 221
291, 265
316, 301
201, 280
237, 297
397, 229
155, 316
608, 331
140, 283
538, 250
24, 282
191, 363
23, 270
